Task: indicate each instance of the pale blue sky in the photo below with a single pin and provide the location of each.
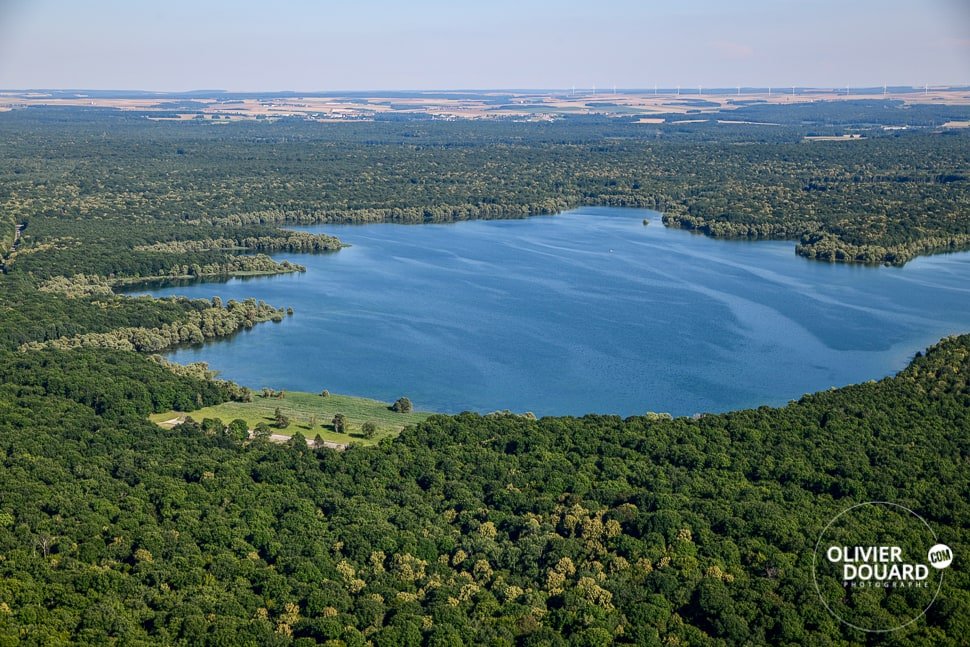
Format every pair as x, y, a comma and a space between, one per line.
434, 44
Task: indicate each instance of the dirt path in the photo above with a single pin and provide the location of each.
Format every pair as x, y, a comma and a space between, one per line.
312, 444
273, 438
6, 259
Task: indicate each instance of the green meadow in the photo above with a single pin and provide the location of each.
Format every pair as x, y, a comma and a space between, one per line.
301, 409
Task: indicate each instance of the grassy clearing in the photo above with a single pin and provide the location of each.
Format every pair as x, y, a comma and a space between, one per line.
299, 407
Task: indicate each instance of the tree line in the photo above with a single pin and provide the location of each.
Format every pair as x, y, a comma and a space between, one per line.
198, 326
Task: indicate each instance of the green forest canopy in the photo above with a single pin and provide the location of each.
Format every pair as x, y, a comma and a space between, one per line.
465, 529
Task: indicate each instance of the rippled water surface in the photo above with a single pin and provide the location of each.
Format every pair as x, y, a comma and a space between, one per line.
588, 311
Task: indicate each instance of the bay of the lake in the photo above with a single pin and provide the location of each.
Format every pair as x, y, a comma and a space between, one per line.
586, 311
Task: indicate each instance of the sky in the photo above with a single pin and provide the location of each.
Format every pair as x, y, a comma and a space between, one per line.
331, 45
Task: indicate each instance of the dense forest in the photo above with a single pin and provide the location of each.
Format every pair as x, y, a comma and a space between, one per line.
496, 529
130, 189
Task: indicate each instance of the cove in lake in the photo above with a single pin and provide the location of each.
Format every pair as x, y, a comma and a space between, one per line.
586, 311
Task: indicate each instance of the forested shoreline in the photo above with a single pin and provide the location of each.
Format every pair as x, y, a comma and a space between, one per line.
154, 188
467, 529
109, 199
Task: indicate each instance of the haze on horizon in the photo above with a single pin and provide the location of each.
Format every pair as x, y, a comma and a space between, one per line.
304, 45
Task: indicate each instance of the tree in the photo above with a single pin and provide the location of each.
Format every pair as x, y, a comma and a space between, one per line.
212, 426
339, 423
368, 429
238, 429
402, 405
262, 431
282, 422
312, 421
325, 394
45, 542
189, 424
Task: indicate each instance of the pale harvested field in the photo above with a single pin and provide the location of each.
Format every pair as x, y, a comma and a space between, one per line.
523, 105
833, 138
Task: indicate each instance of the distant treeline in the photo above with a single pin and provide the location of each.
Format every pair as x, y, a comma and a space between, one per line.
106, 194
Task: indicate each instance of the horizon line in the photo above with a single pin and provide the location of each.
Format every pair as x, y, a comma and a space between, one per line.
608, 89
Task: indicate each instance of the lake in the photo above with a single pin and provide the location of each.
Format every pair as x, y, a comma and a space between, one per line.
586, 311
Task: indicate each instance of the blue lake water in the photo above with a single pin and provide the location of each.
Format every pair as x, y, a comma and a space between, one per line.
587, 311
